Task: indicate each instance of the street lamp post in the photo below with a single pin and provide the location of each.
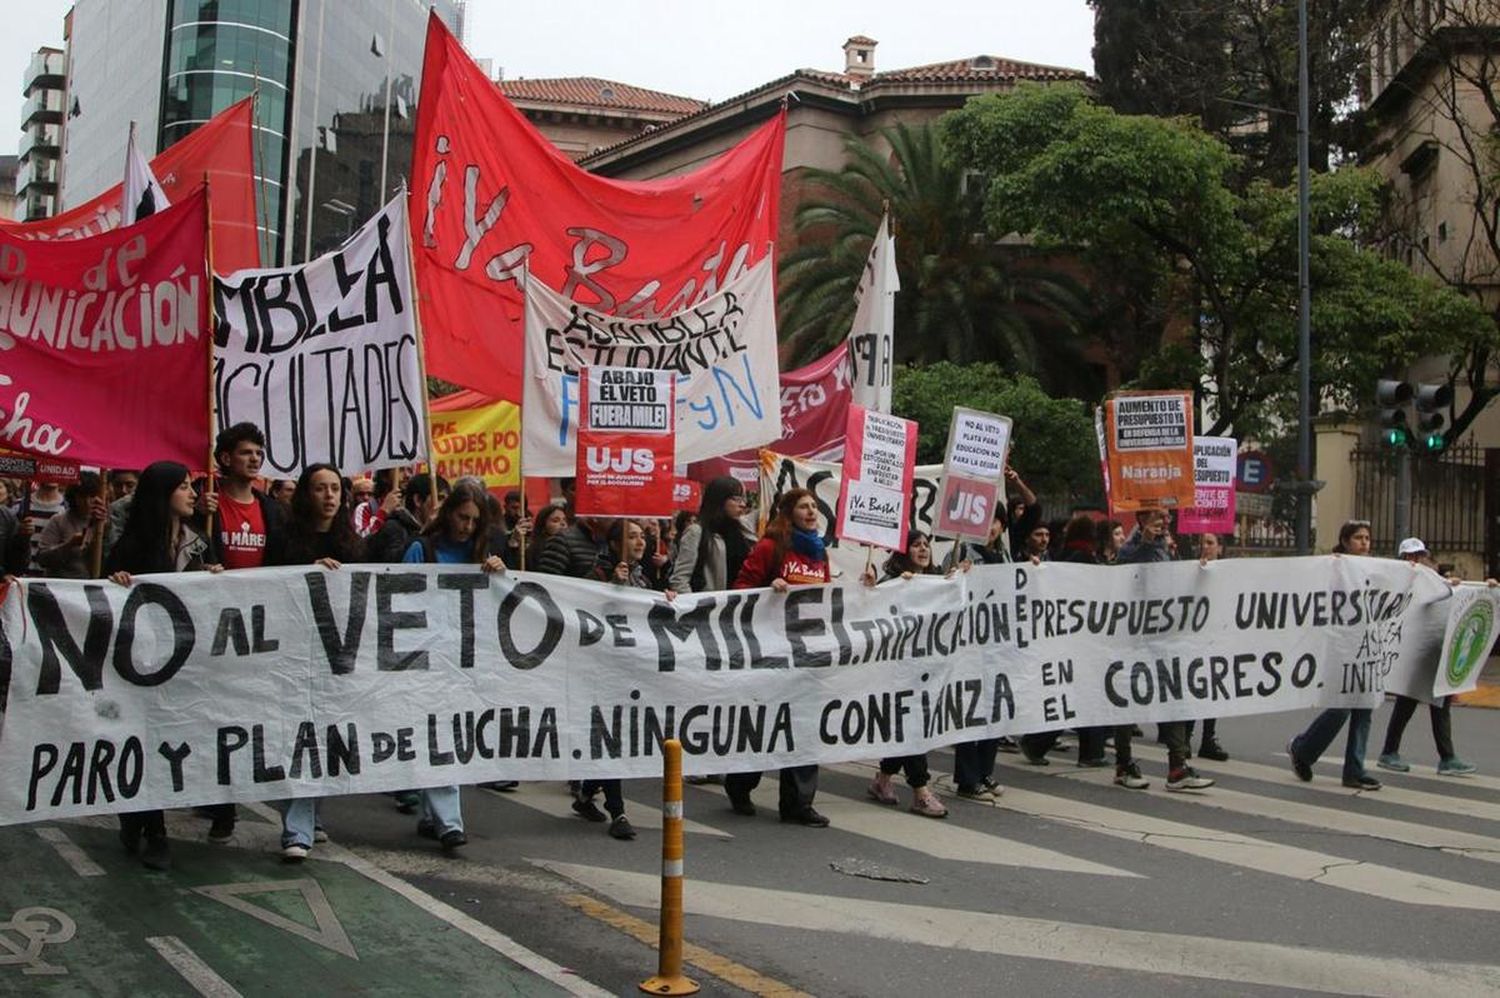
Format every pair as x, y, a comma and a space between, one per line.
1304, 485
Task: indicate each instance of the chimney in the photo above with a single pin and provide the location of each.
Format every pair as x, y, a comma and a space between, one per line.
859, 56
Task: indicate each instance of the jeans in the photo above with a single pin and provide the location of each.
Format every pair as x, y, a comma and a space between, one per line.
1175, 735
974, 762
1442, 726
440, 805
1210, 730
799, 784
917, 774
1312, 743
614, 795
299, 817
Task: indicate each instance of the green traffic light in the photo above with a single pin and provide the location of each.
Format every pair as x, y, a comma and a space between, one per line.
1396, 437
1434, 442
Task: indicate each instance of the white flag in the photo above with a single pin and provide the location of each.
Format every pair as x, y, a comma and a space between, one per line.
142, 195
872, 337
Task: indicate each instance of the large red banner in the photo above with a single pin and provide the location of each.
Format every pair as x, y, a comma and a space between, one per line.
814, 412
221, 148
492, 199
105, 342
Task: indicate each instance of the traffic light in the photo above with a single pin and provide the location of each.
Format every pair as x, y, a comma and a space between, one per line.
1392, 396
1430, 398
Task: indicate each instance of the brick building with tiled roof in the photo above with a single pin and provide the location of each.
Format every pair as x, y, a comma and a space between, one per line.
582, 114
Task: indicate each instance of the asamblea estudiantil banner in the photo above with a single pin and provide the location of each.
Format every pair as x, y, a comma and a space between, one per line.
273, 683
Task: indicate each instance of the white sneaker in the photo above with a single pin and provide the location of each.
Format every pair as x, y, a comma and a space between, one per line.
294, 853
1187, 778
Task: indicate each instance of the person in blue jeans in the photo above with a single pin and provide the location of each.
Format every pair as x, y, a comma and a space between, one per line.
1306, 748
458, 535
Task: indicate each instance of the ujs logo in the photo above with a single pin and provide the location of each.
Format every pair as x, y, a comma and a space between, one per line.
620, 459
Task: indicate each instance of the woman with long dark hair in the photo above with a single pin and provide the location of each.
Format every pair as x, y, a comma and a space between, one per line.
711, 551
319, 531
915, 560
157, 538
791, 553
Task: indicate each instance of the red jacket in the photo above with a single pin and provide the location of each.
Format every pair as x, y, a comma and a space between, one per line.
760, 567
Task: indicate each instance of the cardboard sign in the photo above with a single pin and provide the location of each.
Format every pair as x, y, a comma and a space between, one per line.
1212, 511
626, 442
973, 470
1149, 440
879, 461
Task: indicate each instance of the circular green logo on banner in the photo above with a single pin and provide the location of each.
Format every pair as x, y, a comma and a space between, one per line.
1471, 641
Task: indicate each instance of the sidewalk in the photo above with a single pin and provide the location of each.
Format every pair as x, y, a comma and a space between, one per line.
79, 916
1488, 692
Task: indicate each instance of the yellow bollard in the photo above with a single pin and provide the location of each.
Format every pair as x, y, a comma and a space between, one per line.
669, 979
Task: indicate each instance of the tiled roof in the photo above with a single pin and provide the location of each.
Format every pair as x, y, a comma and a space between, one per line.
979, 67
861, 40
589, 91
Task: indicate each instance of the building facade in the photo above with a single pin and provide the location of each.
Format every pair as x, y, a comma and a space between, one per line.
34, 171
336, 85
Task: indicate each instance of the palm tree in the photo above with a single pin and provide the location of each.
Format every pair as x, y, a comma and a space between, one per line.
964, 297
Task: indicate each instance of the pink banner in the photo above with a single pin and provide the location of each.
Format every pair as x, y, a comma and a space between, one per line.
1212, 511
105, 343
814, 406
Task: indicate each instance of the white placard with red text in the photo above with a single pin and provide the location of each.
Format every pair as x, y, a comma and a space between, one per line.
627, 435
879, 456
973, 470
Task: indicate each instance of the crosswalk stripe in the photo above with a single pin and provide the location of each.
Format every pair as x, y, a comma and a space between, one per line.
1233, 960
1465, 844
1373, 879
945, 840
1445, 804
554, 799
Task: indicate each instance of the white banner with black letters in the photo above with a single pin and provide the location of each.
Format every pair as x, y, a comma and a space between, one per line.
274, 683
323, 356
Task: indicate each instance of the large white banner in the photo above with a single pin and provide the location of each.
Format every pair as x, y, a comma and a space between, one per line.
323, 357
274, 683
723, 352
872, 335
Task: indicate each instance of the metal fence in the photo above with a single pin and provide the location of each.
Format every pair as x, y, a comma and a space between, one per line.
1447, 497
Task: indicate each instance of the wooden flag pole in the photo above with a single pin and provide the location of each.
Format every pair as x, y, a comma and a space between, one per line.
96, 544
416, 313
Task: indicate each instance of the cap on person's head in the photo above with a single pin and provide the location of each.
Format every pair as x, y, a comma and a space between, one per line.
1410, 547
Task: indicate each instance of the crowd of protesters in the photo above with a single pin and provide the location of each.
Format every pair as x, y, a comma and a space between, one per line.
161, 520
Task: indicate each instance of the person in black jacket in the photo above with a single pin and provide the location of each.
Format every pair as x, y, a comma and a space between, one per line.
418, 507
573, 552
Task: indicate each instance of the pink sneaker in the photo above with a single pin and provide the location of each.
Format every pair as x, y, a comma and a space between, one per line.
880, 791
927, 805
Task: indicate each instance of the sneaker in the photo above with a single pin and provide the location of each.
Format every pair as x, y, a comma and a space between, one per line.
408, 801
1365, 782
880, 791
1187, 778
154, 853
925, 803
1129, 776
452, 839
807, 817
983, 795
622, 829
1454, 766
1302, 769
294, 853
1035, 760
1213, 751
1396, 764
1098, 762
588, 810
221, 831
994, 788
1008, 744
742, 804
319, 835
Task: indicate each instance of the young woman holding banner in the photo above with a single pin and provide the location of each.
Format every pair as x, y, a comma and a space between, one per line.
458, 535
711, 551
791, 553
318, 531
915, 560
157, 538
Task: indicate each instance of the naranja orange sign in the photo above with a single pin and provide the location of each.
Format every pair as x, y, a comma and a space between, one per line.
1149, 437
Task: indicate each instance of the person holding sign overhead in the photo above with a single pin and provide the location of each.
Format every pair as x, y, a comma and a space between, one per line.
790, 554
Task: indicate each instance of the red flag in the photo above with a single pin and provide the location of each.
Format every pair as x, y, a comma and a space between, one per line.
491, 198
223, 149
105, 342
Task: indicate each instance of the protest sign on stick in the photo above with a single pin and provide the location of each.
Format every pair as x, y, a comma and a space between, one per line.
880, 456
973, 473
1149, 440
626, 440
1212, 512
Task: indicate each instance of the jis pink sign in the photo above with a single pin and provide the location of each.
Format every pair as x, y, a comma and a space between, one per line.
880, 454
1212, 511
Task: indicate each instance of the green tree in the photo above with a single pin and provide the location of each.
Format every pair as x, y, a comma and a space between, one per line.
963, 297
1053, 445
1149, 200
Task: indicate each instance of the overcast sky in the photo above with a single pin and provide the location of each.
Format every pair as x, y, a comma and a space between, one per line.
709, 50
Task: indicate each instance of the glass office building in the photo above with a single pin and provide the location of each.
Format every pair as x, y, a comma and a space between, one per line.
337, 84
